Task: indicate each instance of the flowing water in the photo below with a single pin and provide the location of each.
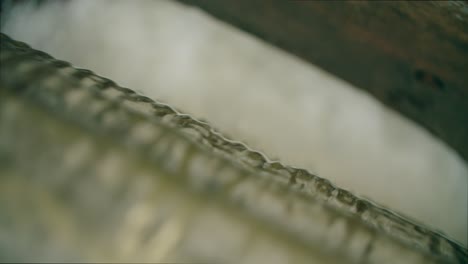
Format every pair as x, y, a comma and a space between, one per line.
252, 92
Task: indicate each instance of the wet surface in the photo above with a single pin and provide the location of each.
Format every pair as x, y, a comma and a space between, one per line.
101, 163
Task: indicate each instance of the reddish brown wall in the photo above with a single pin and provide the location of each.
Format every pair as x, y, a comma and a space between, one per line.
412, 56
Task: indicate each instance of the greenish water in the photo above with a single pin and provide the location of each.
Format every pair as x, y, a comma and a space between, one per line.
95, 172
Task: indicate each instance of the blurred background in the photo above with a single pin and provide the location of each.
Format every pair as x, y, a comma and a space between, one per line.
255, 93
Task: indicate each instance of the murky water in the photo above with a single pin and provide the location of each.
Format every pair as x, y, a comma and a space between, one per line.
259, 95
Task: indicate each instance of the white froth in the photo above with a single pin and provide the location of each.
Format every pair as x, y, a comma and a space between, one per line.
258, 94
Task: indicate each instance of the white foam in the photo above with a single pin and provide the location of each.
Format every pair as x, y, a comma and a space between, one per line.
256, 93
